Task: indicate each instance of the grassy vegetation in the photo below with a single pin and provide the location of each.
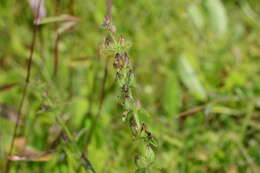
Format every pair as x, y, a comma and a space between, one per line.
162, 86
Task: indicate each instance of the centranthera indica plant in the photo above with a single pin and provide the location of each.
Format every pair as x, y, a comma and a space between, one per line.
117, 46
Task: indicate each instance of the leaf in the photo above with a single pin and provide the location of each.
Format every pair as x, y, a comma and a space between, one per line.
7, 86
44, 157
65, 26
225, 110
217, 16
146, 158
61, 18
196, 16
171, 95
27, 153
235, 79
149, 154
190, 79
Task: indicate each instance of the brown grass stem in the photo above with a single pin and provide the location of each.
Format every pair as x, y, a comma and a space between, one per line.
24, 93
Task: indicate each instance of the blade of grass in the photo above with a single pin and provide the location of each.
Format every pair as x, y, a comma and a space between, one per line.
101, 100
7, 86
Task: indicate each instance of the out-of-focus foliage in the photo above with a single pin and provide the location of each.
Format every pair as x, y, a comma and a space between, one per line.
200, 55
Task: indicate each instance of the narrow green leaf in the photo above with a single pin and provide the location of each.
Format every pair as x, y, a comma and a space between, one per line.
217, 16
171, 95
197, 16
190, 79
61, 18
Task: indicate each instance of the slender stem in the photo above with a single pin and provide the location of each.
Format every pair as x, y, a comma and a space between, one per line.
87, 164
202, 107
24, 93
56, 55
109, 8
41, 42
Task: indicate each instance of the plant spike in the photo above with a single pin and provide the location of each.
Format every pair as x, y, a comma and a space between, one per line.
117, 46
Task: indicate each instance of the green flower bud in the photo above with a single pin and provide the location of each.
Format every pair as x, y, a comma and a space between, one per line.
146, 159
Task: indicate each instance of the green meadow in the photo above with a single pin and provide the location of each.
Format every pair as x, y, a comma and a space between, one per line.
140, 86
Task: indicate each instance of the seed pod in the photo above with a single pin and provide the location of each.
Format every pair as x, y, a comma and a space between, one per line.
107, 41
112, 28
130, 76
149, 134
133, 126
146, 159
125, 58
116, 65
107, 21
144, 127
121, 40
118, 76
117, 56
125, 114
149, 154
119, 61
125, 88
128, 103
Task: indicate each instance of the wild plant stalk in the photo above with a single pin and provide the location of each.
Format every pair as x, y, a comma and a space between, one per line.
117, 46
25, 88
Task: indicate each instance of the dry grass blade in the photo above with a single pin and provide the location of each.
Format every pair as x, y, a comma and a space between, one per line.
63, 27
61, 18
43, 157
191, 111
7, 86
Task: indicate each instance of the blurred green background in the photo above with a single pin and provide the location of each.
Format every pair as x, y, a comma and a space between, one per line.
200, 56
